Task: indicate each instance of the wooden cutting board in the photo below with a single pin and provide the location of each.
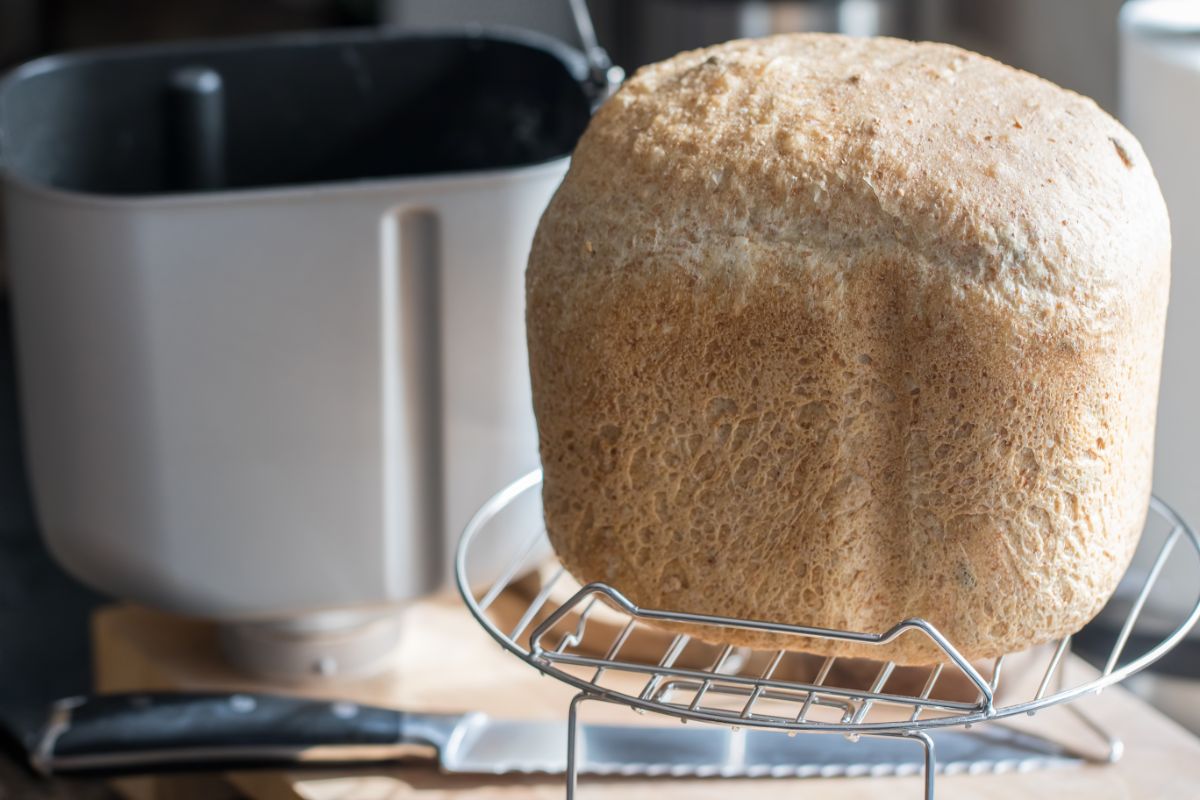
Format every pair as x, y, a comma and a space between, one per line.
447, 663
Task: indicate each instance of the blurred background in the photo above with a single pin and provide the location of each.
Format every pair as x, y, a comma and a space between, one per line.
1075, 43
1071, 42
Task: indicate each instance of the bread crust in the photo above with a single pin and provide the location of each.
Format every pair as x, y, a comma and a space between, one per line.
839, 332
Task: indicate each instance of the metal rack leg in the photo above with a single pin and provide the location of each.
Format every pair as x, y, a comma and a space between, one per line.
926, 742
1116, 747
930, 760
572, 743
573, 756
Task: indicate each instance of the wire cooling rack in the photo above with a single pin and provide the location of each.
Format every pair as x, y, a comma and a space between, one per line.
595, 639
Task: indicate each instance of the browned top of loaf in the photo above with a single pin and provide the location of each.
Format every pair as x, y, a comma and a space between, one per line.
1032, 197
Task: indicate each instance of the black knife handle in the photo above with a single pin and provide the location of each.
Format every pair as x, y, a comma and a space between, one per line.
170, 730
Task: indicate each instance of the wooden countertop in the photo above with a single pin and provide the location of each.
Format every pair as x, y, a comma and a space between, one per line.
447, 663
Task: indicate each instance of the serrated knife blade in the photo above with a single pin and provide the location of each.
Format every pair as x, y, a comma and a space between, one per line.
139, 733
484, 745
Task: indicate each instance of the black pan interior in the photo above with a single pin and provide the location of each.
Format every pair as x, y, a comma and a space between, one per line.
315, 109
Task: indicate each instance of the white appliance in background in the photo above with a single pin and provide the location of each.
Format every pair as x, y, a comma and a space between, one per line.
1160, 104
1070, 42
269, 306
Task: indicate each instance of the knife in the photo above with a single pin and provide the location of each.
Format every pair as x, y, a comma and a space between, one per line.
153, 732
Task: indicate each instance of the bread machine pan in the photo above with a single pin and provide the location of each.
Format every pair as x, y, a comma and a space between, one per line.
269, 310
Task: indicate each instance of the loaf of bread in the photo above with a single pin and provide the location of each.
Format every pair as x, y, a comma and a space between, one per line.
838, 332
